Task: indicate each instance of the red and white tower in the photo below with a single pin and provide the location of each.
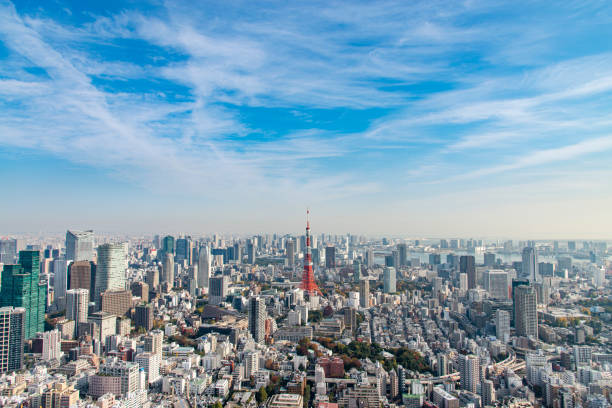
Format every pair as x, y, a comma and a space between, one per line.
308, 282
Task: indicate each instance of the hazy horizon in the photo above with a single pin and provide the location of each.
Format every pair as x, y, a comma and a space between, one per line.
472, 119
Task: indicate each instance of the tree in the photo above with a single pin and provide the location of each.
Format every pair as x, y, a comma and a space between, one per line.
306, 395
262, 395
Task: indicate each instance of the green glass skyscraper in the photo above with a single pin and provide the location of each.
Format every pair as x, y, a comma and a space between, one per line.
21, 287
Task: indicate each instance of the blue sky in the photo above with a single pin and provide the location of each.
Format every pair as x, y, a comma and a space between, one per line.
473, 118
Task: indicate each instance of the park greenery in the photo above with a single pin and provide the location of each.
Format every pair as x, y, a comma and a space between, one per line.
355, 351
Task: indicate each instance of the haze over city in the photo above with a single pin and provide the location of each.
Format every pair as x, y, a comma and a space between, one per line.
472, 119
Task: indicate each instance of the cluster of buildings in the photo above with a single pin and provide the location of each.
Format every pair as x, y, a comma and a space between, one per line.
312, 320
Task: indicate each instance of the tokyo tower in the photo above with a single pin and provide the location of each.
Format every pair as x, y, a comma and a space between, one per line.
308, 283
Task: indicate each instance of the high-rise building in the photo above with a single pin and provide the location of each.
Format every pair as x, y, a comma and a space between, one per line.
364, 293
469, 372
153, 279
496, 283
183, 249
167, 245
153, 342
8, 250
144, 317
389, 280
106, 323
370, 257
77, 301
60, 282
51, 345
149, 363
251, 363
502, 325
141, 290
60, 395
463, 282
356, 270
82, 275
257, 318
442, 367
204, 266
290, 250
396, 259
403, 254
488, 393
529, 266
251, 251
21, 287
489, 259
79, 245
526, 313
111, 270
217, 291
168, 269
12, 338
438, 285
123, 378
434, 259
330, 256
116, 302
467, 265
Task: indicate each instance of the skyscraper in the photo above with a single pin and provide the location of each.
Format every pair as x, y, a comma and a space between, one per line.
469, 372
153, 342
330, 256
496, 283
526, 313
204, 267
489, 259
364, 293
116, 302
12, 337
21, 287
167, 245
77, 301
111, 270
218, 289
82, 275
153, 278
290, 250
257, 318
8, 250
396, 259
144, 317
389, 280
168, 269
251, 252
51, 345
403, 254
79, 245
529, 266
60, 282
442, 367
370, 257
356, 271
467, 265
183, 249
502, 325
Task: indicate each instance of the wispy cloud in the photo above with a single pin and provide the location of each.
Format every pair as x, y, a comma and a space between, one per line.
325, 99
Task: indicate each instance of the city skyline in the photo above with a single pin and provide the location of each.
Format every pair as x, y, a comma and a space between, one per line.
423, 119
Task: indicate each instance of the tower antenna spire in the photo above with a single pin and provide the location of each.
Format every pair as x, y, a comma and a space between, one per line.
308, 282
